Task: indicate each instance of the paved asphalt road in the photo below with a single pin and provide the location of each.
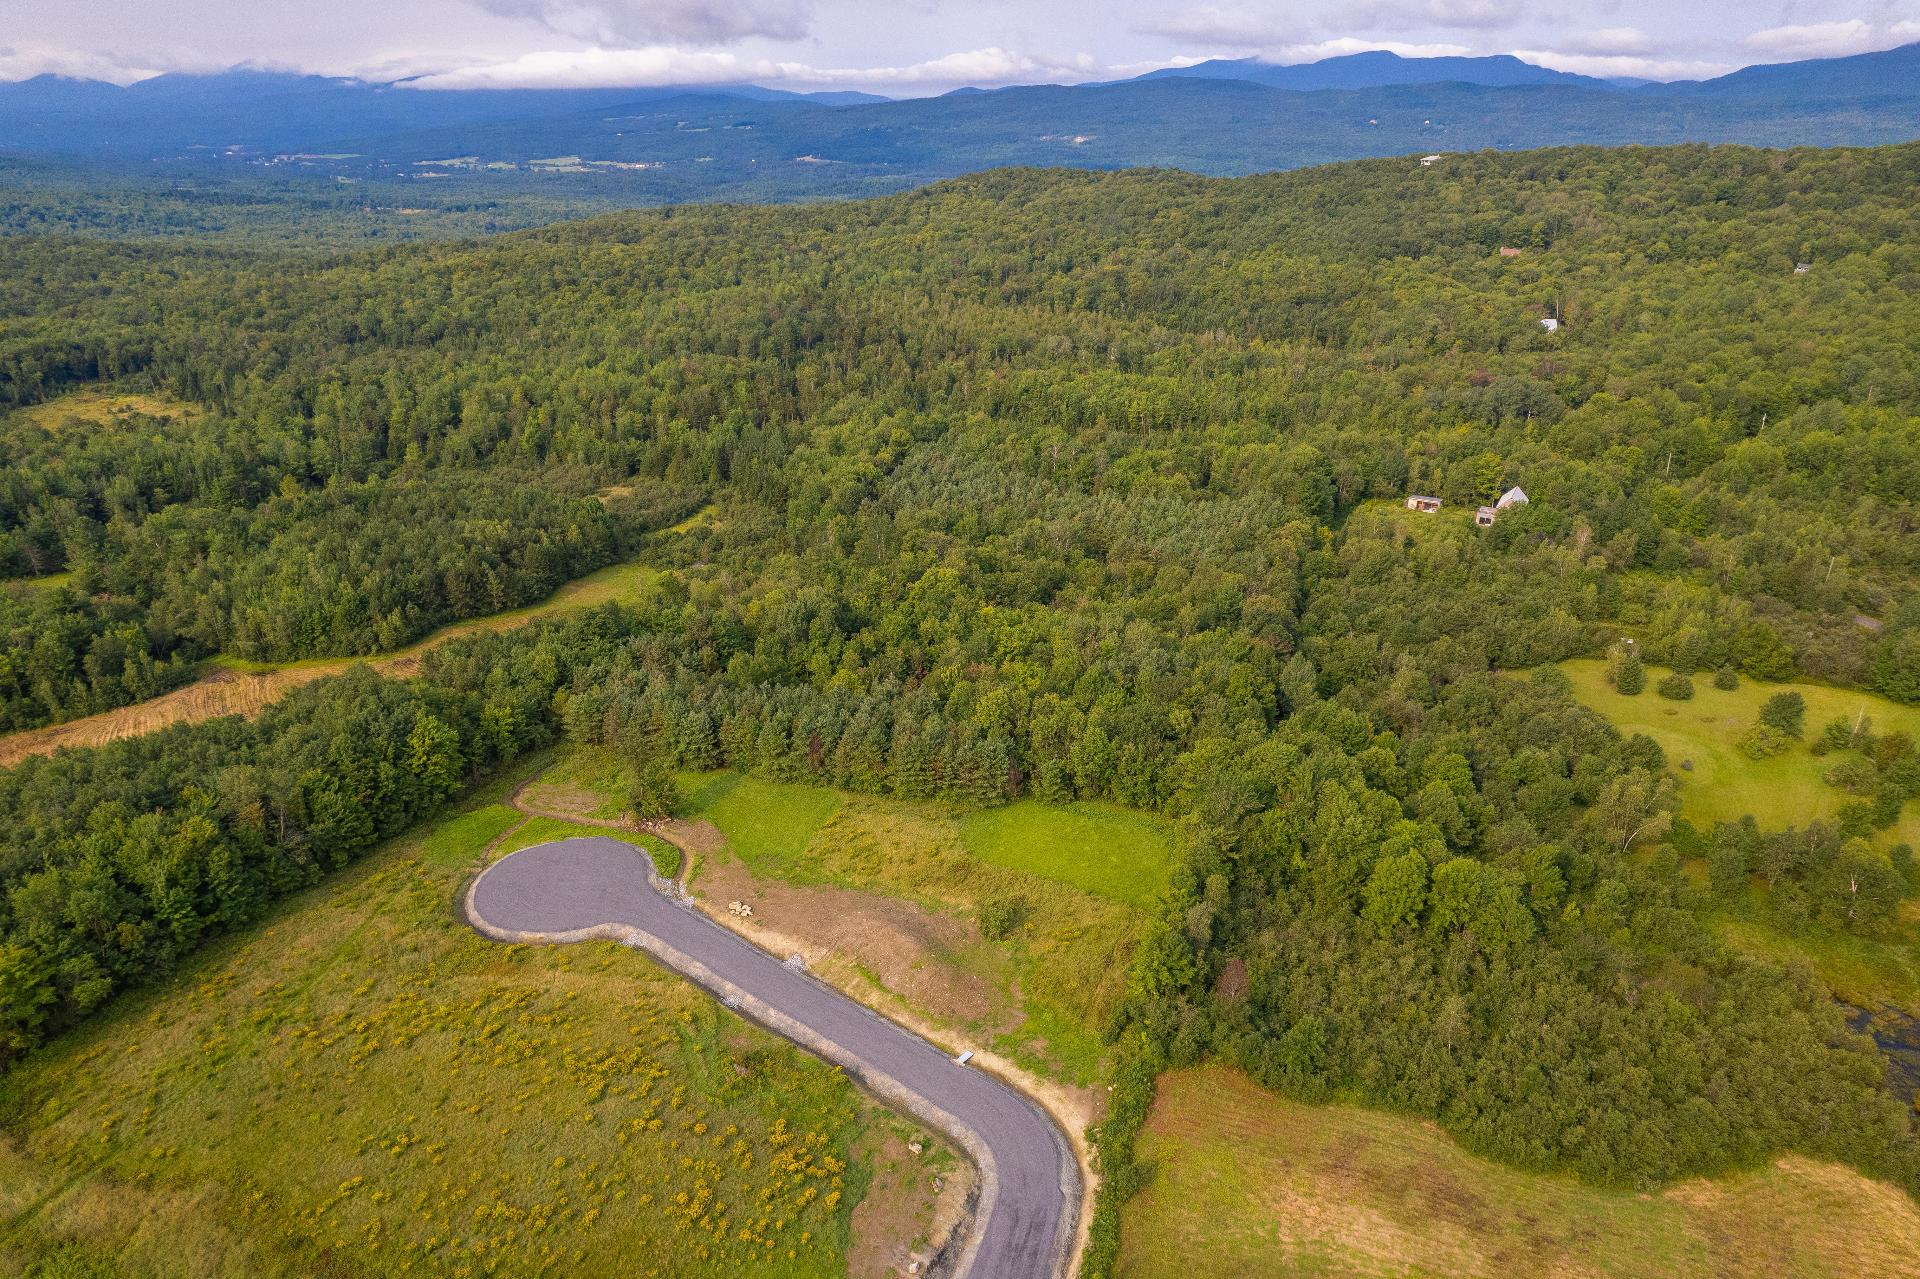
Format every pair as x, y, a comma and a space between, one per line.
581, 883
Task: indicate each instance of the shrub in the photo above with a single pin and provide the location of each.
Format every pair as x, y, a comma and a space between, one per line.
1003, 916
651, 791
1676, 687
1786, 712
1725, 679
1891, 748
1763, 741
1854, 775
1552, 677
1900, 856
1841, 733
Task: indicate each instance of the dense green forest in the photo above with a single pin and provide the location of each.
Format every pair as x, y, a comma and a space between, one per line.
1065, 484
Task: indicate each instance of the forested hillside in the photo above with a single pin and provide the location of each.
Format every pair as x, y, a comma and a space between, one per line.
1066, 484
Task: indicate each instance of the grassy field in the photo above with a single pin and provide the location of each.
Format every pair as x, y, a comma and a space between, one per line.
768, 825
43, 582
100, 407
1248, 1183
361, 1086
1864, 971
1041, 993
1102, 849
1724, 784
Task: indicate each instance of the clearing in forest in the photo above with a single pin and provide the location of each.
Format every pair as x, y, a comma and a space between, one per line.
1247, 1182
361, 1084
1789, 789
1723, 783
99, 407
237, 687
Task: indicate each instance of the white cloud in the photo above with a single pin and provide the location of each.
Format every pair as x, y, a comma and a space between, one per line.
1291, 53
642, 22
1267, 27
1817, 39
25, 62
1622, 66
665, 64
1609, 42
1214, 25
1402, 15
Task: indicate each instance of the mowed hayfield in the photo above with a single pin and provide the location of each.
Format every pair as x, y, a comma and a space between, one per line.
983, 922
1723, 784
235, 687
1245, 1182
362, 1086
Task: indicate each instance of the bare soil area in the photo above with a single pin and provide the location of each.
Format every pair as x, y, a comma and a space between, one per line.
892, 944
916, 1204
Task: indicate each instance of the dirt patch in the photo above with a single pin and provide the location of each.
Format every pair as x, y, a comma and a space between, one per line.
556, 800
697, 839
893, 944
914, 1206
1232, 983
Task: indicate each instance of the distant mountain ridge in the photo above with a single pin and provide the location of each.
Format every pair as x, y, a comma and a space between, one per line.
682, 143
1376, 69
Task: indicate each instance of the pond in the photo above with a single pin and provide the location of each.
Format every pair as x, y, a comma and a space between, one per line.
1897, 1033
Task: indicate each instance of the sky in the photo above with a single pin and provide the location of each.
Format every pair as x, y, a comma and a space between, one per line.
906, 47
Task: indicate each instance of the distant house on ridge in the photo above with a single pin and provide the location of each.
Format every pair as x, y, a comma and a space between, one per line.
1486, 515
1508, 252
1424, 505
1426, 161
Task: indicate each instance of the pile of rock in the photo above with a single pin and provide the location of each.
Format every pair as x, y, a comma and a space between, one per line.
741, 909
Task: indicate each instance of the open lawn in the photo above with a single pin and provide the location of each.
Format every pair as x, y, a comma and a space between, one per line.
1248, 1183
767, 824
1724, 784
1102, 849
361, 1086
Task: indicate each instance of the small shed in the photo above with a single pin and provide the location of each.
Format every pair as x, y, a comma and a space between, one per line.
1424, 505
1550, 324
1507, 251
1801, 268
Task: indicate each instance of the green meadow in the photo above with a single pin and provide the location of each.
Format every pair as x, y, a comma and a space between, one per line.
1723, 783
361, 1086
